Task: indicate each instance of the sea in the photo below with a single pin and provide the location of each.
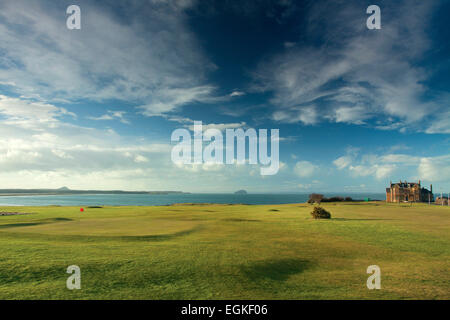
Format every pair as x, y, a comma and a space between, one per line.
167, 199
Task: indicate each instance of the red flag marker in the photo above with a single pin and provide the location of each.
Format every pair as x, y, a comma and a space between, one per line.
81, 209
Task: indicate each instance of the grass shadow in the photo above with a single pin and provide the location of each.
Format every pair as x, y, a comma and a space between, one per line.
97, 238
241, 220
17, 225
277, 270
37, 223
360, 219
358, 203
159, 237
9, 214
56, 219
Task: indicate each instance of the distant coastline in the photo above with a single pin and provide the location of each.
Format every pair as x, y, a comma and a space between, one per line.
66, 191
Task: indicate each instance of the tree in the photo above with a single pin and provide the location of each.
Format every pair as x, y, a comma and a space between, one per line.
315, 198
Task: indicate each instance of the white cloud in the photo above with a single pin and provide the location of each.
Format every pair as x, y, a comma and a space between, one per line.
55, 153
170, 100
28, 113
355, 75
345, 161
441, 124
376, 170
139, 159
399, 158
237, 93
221, 126
305, 169
435, 169
37, 138
342, 162
355, 115
306, 115
61, 154
107, 58
111, 115
396, 165
399, 147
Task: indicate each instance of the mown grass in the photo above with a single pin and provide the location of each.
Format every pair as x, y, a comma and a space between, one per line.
226, 252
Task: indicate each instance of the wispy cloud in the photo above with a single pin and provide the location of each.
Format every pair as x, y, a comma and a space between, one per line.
112, 115
441, 123
168, 101
237, 93
221, 126
30, 114
353, 74
107, 59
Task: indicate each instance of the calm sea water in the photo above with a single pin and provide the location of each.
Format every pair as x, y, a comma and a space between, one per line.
165, 199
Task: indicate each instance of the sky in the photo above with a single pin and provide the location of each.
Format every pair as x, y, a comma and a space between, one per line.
95, 108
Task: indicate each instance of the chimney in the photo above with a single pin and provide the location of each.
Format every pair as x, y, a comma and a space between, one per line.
431, 187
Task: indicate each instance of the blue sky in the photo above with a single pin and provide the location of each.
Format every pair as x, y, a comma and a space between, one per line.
95, 108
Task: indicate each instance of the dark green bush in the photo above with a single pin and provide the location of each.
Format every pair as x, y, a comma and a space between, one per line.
333, 199
320, 213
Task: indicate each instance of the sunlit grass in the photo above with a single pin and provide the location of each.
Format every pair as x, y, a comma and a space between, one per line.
226, 252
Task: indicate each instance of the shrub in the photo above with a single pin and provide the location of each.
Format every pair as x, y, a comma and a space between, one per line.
333, 199
320, 213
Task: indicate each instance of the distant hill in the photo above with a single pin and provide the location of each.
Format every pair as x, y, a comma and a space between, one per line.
241, 192
63, 189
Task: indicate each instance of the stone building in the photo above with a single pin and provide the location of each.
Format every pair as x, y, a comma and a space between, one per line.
442, 201
408, 192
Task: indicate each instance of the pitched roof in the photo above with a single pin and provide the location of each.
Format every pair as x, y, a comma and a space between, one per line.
405, 184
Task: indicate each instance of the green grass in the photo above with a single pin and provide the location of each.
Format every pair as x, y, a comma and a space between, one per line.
226, 252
